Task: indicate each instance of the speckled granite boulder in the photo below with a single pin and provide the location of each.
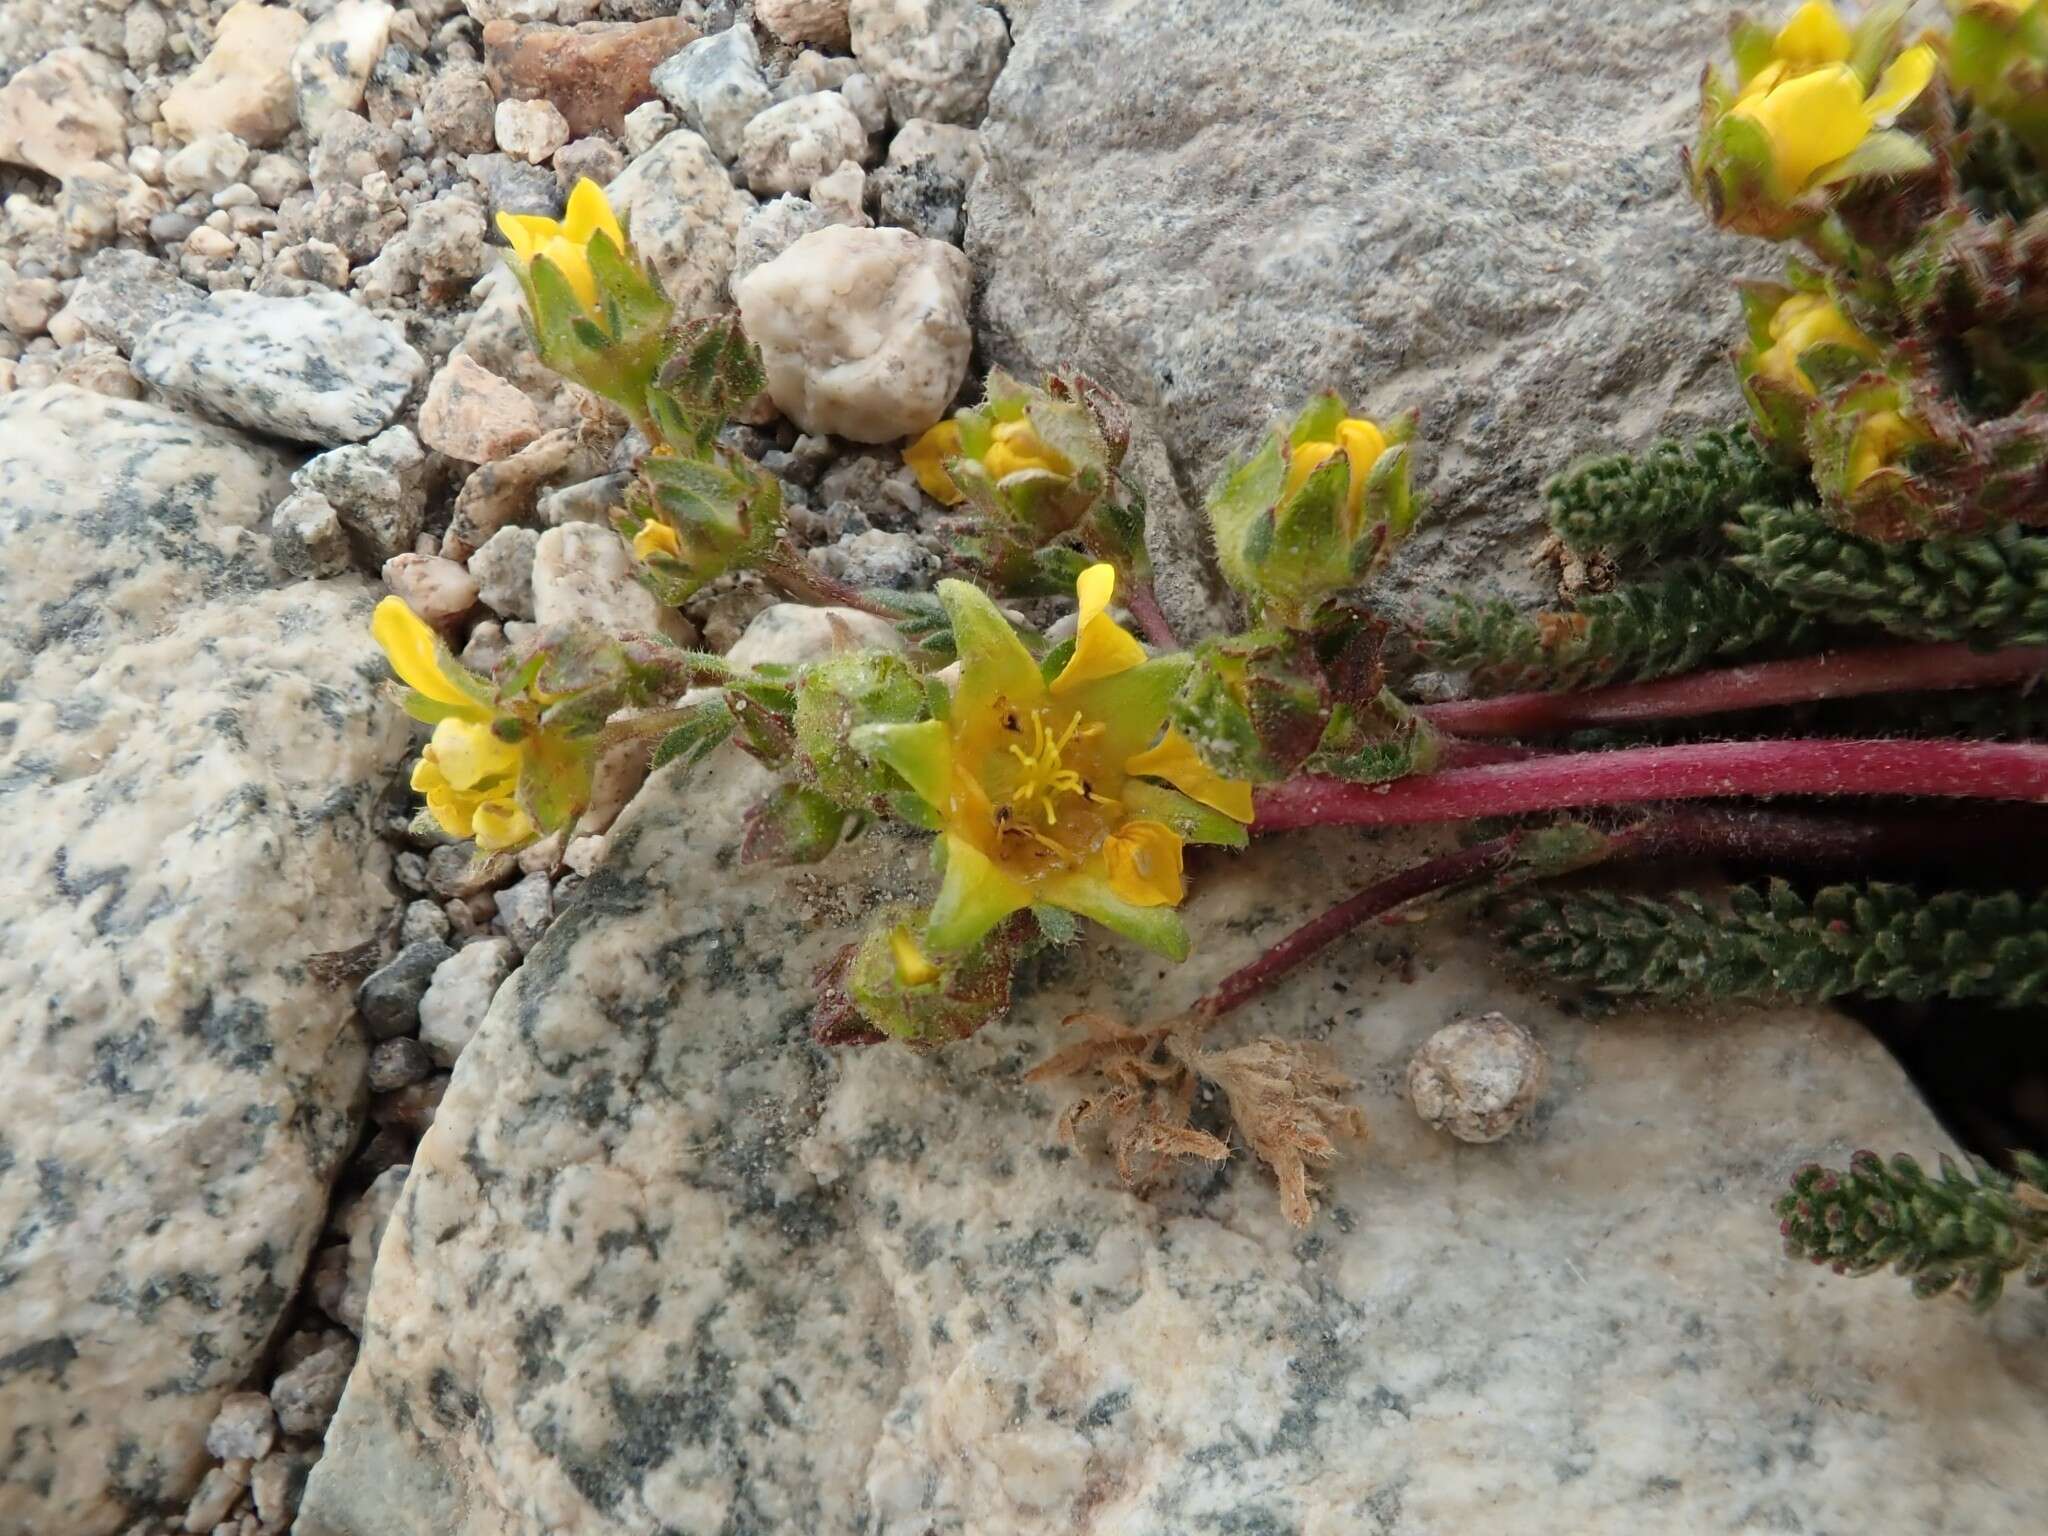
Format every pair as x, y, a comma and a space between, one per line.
662, 1266
1220, 208
190, 751
685, 215
316, 369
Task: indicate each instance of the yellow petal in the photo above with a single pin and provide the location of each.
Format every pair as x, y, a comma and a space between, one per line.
572, 259
912, 968
927, 460
1363, 443
415, 654
1766, 78
1880, 439
468, 753
1143, 860
1304, 461
500, 824
1176, 761
1102, 647
1897, 87
657, 538
527, 232
1811, 121
1017, 445
588, 213
1801, 323
453, 812
1814, 36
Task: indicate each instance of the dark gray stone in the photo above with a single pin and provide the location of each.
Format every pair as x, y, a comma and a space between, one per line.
389, 998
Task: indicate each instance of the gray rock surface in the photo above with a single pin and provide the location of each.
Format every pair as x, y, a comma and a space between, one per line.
685, 214
191, 758
377, 489
316, 369
937, 58
661, 1265
123, 293
715, 83
1219, 209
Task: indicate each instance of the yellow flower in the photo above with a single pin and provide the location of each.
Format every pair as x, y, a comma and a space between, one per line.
1044, 791
1014, 446
1814, 38
657, 538
1802, 322
1880, 439
1360, 441
1815, 117
927, 460
566, 242
469, 776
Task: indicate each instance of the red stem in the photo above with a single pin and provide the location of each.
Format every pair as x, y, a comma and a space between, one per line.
1833, 675
1143, 603
1699, 771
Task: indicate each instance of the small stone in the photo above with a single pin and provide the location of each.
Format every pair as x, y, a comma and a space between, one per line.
315, 369
332, 63
63, 113
276, 177
243, 1429
144, 32
581, 854
505, 492
328, 1278
409, 870
365, 1222
484, 649
313, 263
869, 103
586, 501
789, 146
410, 1110
771, 228
815, 71
716, 84
472, 414
455, 870
503, 569
791, 634
923, 186
389, 998
585, 575
1477, 1078
895, 562
350, 149
209, 245
441, 253
307, 537
840, 195
275, 1484
591, 159
377, 489
400, 1062
28, 303
459, 110
933, 58
423, 920
219, 1492
595, 75
244, 86
684, 211
646, 125
461, 995
305, 1396
863, 332
806, 21
207, 164
525, 910
532, 130
437, 589
511, 185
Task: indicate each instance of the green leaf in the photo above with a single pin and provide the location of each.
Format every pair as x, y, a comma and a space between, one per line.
706, 727
1193, 820
1159, 929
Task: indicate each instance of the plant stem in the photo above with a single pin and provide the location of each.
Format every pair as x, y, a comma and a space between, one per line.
1144, 605
1832, 675
789, 568
1698, 771
1783, 837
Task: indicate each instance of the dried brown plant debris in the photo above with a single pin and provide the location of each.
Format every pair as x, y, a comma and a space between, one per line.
1284, 1099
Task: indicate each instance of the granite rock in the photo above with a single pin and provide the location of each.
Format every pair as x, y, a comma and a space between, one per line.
208, 164
123, 293
685, 214
63, 113
401, 1062
791, 634
316, 369
243, 1429
389, 997
460, 996
795, 143
307, 537
923, 185
584, 574
506, 492
936, 58
772, 227
436, 588
702, 1276
305, 1396
595, 74
331, 65
472, 414
377, 489
1175, 205
863, 332
822, 22
244, 84
715, 83
458, 106
532, 130
503, 569
191, 761
365, 1222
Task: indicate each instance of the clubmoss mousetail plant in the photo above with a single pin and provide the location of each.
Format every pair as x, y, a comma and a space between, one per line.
1791, 614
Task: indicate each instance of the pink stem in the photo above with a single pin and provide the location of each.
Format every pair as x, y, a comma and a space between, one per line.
1700, 771
1144, 605
1834, 675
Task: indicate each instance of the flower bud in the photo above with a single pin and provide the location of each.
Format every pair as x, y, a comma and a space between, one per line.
695, 519
835, 696
911, 991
